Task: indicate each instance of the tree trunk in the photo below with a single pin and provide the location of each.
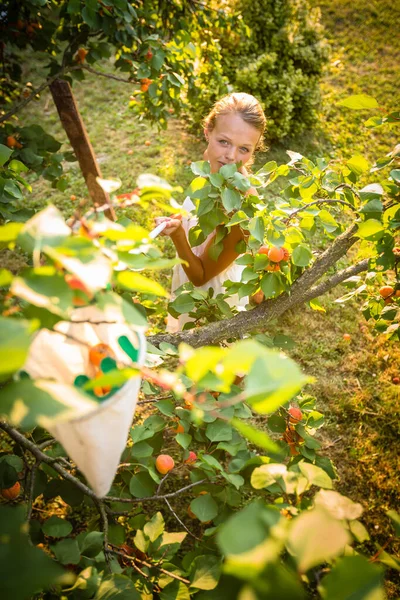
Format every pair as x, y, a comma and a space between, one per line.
72, 122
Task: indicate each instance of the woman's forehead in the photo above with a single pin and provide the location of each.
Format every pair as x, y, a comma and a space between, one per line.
234, 127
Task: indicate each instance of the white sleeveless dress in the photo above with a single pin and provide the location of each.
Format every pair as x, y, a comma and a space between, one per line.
179, 277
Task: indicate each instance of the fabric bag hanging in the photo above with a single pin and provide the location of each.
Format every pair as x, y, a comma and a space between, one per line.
92, 433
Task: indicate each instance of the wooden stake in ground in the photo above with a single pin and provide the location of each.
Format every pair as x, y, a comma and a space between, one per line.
72, 122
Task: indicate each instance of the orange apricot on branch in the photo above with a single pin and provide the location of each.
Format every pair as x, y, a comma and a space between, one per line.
12, 142
81, 55
191, 458
275, 254
386, 291
12, 492
164, 463
295, 414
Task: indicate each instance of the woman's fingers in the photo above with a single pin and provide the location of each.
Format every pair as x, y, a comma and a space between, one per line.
173, 223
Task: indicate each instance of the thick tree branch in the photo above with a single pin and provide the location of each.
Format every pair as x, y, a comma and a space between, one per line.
258, 318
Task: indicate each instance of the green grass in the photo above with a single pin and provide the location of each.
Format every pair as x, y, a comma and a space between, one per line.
353, 384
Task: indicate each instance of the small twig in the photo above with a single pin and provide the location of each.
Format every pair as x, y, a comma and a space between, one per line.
47, 443
31, 488
319, 201
169, 495
375, 557
150, 566
104, 519
161, 483
131, 558
348, 187
100, 74
333, 442
181, 522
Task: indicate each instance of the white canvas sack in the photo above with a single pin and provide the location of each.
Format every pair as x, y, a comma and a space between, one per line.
92, 433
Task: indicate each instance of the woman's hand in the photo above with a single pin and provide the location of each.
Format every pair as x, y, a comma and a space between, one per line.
173, 224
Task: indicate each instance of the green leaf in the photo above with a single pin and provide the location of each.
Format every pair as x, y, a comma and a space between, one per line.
67, 551
231, 199
372, 230
184, 439
219, 431
183, 303
301, 256
395, 175
155, 527
92, 544
315, 475
228, 171
359, 102
5, 154
205, 572
8, 475
142, 485
266, 475
87, 581
176, 590
56, 527
247, 528
204, 507
117, 587
271, 285
139, 283
24, 569
257, 437
340, 507
353, 578
358, 164
273, 380
46, 228
315, 537
395, 518
6, 277
45, 290
15, 339
10, 231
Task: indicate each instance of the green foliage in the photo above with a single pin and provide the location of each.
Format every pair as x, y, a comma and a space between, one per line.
264, 513
279, 59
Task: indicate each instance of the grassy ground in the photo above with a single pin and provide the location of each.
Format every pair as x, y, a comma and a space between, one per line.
353, 379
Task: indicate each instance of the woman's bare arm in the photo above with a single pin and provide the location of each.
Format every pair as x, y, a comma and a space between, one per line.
202, 268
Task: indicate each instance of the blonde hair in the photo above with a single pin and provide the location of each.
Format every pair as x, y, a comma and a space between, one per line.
245, 105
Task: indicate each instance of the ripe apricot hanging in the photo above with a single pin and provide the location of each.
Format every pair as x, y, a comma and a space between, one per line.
275, 254
12, 492
81, 55
295, 414
191, 458
386, 291
12, 142
164, 463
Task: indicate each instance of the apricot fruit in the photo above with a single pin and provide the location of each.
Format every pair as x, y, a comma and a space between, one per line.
98, 352
191, 458
386, 291
12, 492
295, 414
164, 463
346, 337
275, 254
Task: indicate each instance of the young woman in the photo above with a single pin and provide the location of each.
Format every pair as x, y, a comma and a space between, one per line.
234, 131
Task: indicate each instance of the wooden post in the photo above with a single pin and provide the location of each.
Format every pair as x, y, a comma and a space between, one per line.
72, 122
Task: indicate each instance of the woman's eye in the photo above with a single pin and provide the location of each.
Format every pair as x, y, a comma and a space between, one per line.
244, 150
223, 142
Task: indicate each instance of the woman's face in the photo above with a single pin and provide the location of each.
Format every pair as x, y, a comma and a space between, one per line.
231, 141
